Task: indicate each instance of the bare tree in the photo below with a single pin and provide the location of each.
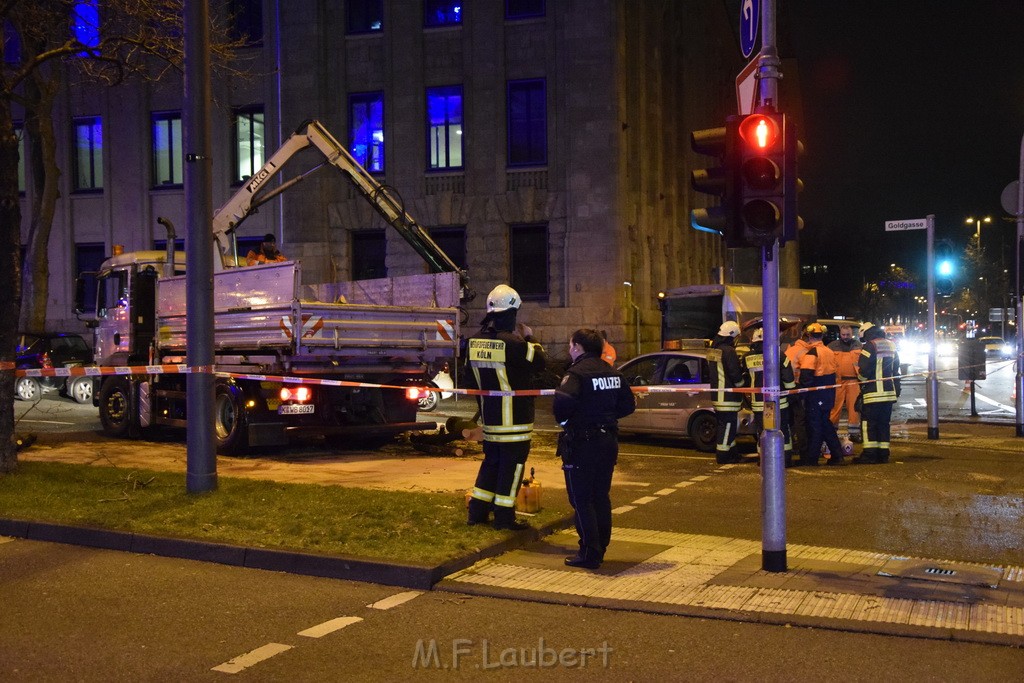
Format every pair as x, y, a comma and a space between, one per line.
47, 44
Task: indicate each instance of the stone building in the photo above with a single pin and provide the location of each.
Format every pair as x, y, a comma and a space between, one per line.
544, 144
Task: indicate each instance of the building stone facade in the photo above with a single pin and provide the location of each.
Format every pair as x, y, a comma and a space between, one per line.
625, 83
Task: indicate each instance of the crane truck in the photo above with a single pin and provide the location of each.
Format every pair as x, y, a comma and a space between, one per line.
341, 360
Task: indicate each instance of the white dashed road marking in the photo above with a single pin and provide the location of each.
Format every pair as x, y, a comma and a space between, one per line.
701, 477
395, 600
664, 492
623, 508
644, 500
256, 656
321, 630
5, 539
683, 484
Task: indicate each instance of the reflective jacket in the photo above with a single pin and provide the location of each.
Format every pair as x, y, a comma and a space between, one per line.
504, 361
818, 366
753, 365
726, 373
848, 356
879, 368
592, 394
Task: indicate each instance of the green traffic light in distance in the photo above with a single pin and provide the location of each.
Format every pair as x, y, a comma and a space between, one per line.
945, 268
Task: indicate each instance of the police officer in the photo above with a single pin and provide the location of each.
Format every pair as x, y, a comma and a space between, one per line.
588, 403
726, 373
818, 368
503, 357
879, 372
753, 366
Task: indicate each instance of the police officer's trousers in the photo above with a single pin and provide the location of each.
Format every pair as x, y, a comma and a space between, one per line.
588, 463
497, 482
818, 406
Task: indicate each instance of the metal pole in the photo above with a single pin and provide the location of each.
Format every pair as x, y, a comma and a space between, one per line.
201, 459
1019, 383
932, 389
773, 467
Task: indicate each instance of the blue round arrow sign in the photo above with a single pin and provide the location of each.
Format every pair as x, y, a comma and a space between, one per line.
750, 19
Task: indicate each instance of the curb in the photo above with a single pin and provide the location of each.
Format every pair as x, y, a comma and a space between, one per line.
386, 572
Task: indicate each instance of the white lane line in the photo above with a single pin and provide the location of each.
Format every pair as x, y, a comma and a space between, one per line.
700, 478
683, 484
997, 404
395, 600
256, 656
921, 402
623, 508
5, 539
908, 405
664, 492
951, 384
45, 422
644, 501
321, 630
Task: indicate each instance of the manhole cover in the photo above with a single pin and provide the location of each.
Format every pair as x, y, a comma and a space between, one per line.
944, 572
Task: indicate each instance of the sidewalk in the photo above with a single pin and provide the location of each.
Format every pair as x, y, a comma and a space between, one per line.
644, 570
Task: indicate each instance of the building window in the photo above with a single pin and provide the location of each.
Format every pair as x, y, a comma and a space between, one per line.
364, 16
89, 257
369, 254
247, 21
249, 132
366, 130
452, 241
167, 155
528, 259
85, 25
19, 131
522, 9
12, 44
442, 12
527, 123
88, 146
444, 126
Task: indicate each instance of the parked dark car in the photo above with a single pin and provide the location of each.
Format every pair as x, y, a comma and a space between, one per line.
52, 350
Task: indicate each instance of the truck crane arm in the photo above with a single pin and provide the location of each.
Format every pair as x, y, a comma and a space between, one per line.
384, 200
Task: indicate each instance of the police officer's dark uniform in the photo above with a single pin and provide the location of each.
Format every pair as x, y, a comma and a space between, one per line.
818, 368
500, 359
879, 371
726, 373
753, 365
588, 403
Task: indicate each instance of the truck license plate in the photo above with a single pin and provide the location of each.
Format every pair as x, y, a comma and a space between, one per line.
295, 409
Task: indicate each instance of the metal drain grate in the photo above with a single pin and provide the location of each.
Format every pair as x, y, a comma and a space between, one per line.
940, 572
947, 572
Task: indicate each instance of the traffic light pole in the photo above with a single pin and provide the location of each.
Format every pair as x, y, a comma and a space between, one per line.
932, 389
1019, 379
773, 467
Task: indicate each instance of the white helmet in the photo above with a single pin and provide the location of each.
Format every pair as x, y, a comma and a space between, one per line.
730, 328
864, 327
757, 336
502, 298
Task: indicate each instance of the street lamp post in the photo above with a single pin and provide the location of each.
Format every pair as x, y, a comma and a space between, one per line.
977, 230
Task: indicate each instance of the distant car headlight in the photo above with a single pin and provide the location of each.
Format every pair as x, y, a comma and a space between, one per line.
1007, 349
946, 349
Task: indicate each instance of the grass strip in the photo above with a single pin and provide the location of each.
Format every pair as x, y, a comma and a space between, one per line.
421, 528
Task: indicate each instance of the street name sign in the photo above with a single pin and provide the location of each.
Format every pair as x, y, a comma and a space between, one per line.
911, 224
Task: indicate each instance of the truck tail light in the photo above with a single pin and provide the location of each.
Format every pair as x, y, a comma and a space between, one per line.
300, 394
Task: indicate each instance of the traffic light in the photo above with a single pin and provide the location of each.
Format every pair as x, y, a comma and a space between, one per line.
945, 268
764, 147
714, 181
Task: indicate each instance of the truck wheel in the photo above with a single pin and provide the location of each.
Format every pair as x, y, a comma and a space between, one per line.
704, 432
27, 389
229, 420
115, 407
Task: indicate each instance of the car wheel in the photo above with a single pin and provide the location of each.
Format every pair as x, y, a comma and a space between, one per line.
704, 432
430, 401
229, 420
115, 407
81, 390
28, 389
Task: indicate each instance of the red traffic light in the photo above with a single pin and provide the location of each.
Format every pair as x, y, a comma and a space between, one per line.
760, 132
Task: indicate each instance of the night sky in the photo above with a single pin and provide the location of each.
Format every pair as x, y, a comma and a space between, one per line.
909, 108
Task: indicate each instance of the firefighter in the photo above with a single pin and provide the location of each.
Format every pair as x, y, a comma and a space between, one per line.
503, 357
818, 369
588, 404
847, 350
726, 373
879, 371
753, 365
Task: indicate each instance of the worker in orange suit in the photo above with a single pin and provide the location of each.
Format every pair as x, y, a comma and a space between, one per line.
847, 350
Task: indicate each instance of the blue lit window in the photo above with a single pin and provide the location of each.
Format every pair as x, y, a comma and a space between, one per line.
249, 136
12, 44
441, 12
167, 154
444, 127
366, 130
364, 16
88, 151
527, 123
85, 24
521, 9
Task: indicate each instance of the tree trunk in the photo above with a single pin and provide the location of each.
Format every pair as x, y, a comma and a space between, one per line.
42, 150
10, 281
